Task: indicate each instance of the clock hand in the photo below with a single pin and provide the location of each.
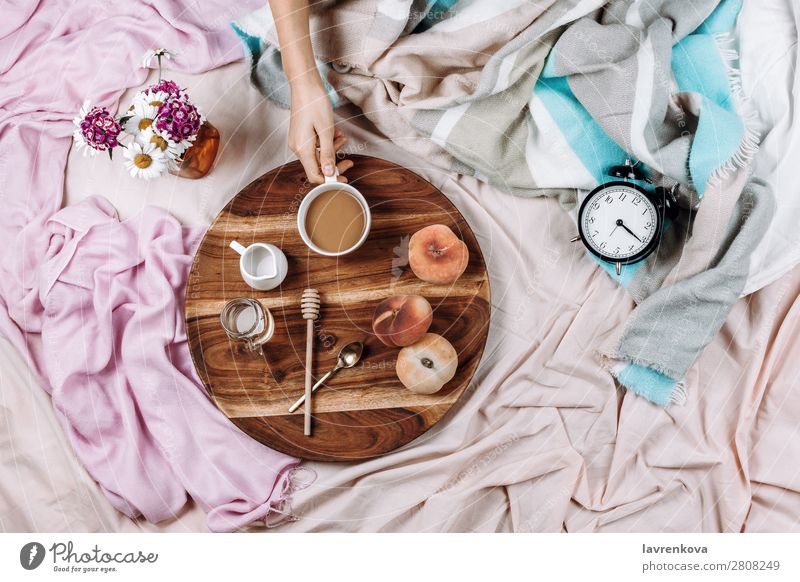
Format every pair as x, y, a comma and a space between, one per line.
622, 224
631, 233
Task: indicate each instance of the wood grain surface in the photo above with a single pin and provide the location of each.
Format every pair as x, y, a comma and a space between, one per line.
364, 411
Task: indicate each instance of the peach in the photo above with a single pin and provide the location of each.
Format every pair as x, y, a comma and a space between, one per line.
427, 365
402, 319
437, 255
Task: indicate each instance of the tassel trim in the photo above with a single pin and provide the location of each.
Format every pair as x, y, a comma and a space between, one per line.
297, 479
614, 365
749, 145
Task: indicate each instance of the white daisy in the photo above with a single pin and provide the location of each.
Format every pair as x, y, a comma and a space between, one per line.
156, 52
142, 116
172, 150
77, 135
85, 109
201, 116
145, 161
81, 145
153, 98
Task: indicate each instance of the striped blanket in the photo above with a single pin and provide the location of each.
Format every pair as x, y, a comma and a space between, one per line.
541, 99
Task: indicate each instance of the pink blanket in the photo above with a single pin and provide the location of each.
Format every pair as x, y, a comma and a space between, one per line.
94, 303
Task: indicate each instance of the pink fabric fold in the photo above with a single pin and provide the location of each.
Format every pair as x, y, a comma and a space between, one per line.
122, 379
95, 304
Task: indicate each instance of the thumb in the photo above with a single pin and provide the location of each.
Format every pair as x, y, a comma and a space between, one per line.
327, 154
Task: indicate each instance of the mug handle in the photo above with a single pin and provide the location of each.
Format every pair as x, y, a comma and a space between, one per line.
237, 247
330, 179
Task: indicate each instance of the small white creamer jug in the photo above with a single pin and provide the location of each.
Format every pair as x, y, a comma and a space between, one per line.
263, 266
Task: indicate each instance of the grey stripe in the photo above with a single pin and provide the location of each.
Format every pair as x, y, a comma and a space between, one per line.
672, 326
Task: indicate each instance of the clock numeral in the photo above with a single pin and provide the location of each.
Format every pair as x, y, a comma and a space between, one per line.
630, 248
602, 245
595, 205
648, 225
645, 211
596, 232
622, 196
616, 250
636, 201
591, 220
608, 199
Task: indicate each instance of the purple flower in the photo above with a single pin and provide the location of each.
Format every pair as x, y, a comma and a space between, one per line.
166, 86
178, 119
99, 129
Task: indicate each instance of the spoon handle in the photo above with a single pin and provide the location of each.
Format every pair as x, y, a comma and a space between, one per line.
319, 383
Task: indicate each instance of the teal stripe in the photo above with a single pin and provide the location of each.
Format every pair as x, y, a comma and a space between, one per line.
549, 69
251, 43
723, 19
698, 68
646, 382
596, 151
434, 14
719, 133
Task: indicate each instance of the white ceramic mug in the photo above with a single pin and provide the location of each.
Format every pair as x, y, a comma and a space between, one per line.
332, 184
263, 266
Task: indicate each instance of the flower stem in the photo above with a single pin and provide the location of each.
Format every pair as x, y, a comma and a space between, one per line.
159, 67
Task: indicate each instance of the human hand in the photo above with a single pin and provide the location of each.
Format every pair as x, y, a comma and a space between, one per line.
312, 134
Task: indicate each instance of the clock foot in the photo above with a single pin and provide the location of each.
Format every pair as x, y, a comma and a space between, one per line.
619, 269
575, 239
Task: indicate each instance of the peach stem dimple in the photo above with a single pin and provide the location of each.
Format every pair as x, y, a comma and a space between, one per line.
436, 251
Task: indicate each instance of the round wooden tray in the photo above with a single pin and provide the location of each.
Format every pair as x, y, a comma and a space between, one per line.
362, 412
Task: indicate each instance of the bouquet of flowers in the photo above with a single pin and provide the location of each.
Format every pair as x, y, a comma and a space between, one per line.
159, 127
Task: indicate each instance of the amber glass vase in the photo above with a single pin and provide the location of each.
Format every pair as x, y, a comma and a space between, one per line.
199, 158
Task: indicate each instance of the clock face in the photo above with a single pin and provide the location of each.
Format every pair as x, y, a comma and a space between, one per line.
618, 223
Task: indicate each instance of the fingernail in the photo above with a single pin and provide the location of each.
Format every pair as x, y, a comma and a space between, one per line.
327, 169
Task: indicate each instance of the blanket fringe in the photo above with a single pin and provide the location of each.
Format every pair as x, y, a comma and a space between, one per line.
614, 365
297, 479
749, 145
679, 395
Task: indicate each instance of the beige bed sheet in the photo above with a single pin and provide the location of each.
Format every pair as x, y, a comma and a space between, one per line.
543, 439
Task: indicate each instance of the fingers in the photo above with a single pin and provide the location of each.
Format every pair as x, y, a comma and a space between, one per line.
308, 157
339, 139
311, 157
327, 151
303, 142
343, 166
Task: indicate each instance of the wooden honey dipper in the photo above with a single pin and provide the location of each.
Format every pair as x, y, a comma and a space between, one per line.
309, 306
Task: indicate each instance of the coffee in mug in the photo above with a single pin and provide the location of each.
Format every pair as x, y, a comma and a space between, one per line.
335, 220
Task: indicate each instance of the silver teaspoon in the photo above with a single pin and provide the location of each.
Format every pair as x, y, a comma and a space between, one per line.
348, 357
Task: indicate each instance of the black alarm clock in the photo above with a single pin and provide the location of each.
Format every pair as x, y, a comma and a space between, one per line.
621, 221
